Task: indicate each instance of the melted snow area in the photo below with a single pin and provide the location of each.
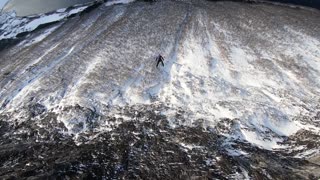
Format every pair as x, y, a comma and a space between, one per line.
254, 70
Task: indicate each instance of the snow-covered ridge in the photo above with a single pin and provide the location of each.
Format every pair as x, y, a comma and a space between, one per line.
35, 7
12, 25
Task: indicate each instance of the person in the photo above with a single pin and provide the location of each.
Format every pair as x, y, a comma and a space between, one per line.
160, 59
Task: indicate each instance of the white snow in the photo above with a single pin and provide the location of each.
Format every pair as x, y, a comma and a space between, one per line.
50, 18
190, 146
15, 25
40, 37
256, 139
236, 152
272, 96
113, 2
308, 153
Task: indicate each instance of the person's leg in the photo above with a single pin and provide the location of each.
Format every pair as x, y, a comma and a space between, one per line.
158, 63
162, 63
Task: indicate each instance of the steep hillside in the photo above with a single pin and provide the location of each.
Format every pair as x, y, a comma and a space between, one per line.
238, 96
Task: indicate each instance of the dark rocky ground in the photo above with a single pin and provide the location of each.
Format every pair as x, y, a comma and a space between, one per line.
145, 147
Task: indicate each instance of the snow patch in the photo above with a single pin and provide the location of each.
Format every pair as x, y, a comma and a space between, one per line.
39, 38
113, 2
258, 140
13, 25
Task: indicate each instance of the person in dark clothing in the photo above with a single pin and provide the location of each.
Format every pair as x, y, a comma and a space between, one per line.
160, 59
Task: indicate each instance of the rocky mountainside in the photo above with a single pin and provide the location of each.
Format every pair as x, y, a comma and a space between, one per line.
310, 3
238, 97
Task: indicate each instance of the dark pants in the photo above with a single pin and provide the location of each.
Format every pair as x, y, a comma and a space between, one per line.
159, 62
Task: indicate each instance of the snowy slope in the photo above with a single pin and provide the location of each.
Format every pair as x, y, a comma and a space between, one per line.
248, 71
211, 71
